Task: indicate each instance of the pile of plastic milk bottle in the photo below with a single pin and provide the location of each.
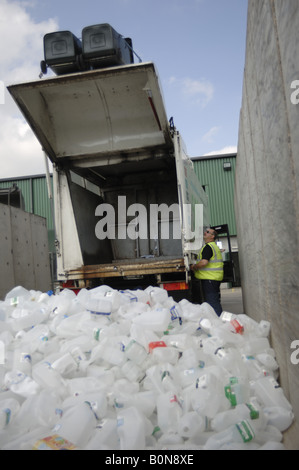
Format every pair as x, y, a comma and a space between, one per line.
133, 370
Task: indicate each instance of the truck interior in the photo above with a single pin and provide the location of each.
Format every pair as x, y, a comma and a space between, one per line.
147, 182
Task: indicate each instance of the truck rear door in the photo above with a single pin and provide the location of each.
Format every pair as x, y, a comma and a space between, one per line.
97, 113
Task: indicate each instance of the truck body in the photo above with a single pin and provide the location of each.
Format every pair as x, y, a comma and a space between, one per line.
129, 209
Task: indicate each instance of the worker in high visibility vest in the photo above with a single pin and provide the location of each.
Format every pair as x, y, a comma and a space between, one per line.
209, 270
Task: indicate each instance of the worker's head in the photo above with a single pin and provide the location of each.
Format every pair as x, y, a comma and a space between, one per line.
209, 235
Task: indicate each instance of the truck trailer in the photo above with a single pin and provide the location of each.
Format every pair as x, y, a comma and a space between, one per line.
129, 208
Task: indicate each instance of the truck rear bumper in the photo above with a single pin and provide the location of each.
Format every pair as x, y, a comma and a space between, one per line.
127, 269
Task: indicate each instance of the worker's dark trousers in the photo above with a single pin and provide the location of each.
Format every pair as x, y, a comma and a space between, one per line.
211, 291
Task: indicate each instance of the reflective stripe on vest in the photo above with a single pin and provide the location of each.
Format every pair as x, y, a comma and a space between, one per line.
214, 269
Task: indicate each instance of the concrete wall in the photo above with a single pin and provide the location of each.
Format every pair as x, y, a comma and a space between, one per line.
24, 253
267, 183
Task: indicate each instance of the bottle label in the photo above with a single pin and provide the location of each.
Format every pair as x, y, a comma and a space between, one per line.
226, 316
230, 395
156, 344
118, 404
97, 333
229, 391
165, 374
156, 430
237, 326
254, 413
120, 422
7, 413
25, 358
130, 344
53, 442
245, 430
14, 301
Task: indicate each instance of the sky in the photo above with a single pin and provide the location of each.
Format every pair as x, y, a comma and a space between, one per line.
198, 47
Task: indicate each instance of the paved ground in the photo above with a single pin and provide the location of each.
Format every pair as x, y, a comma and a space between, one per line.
231, 300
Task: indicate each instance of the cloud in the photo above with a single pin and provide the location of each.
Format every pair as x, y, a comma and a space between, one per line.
21, 154
21, 44
200, 91
21, 50
223, 151
209, 136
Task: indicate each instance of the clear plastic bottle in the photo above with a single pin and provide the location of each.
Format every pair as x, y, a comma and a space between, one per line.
264, 328
22, 361
49, 378
88, 384
33, 339
269, 433
27, 316
165, 354
135, 352
41, 409
65, 365
280, 417
253, 367
227, 418
268, 391
239, 433
77, 424
114, 356
230, 359
21, 384
17, 296
208, 398
8, 409
169, 412
156, 295
181, 341
189, 358
188, 377
132, 371
131, 429
100, 306
105, 436
212, 344
144, 401
237, 391
169, 379
256, 346
190, 424
156, 320
268, 361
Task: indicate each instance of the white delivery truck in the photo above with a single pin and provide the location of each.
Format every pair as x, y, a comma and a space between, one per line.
129, 209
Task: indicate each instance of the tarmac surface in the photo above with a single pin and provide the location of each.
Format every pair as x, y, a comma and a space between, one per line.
232, 301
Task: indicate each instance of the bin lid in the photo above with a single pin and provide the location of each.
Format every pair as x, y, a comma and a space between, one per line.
96, 113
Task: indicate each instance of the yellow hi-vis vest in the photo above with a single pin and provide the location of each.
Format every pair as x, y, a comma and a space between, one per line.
213, 271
